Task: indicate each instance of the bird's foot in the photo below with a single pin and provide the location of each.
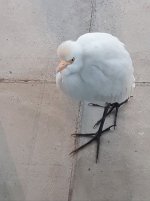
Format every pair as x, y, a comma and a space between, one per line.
95, 105
95, 137
111, 108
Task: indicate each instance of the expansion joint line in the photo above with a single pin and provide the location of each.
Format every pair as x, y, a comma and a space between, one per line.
93, 10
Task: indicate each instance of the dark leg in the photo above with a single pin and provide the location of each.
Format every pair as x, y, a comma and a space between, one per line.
115, 119
95, 136
108, 113
116, 106
90, 135
112, 107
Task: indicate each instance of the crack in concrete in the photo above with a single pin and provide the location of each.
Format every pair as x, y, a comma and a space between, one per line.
93, 10
25, 81
77, 130
141, 83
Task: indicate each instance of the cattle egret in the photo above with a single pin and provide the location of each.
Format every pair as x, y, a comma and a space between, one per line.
96, 68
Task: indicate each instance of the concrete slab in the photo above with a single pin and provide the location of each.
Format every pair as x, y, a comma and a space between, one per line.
123, 170
32, 30
35, 142
129, 20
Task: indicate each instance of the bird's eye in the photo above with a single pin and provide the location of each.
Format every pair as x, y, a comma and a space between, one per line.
73, 59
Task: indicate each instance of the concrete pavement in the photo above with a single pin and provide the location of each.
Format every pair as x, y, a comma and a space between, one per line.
36, 119
122, 173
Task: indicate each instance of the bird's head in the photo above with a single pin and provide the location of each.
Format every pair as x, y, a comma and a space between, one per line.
70, 55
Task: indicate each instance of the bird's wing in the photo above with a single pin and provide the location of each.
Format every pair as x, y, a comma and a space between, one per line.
96, 81
112, 79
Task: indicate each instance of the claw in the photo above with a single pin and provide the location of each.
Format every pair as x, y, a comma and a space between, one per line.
97, 123
83, 135
97, 150
95, 105
81, 147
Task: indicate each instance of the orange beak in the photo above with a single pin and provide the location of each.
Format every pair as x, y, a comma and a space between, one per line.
62, 65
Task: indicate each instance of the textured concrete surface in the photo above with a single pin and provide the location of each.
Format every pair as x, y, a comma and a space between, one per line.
31, 32
36, 119
34, 142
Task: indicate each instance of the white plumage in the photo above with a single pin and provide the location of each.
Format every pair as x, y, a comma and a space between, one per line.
102, 69
96, 68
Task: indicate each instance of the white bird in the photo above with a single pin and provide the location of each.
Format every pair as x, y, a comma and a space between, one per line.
96, 68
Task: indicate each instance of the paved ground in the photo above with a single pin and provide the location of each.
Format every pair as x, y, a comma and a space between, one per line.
36, 120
